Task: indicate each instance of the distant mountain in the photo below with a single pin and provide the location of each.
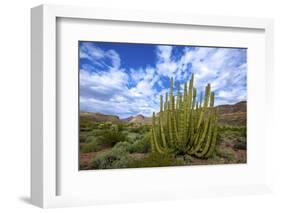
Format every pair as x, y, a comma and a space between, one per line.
138, 119
98, 117
128, 119
235, 114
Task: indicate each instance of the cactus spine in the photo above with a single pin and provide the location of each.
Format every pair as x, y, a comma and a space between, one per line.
185, 125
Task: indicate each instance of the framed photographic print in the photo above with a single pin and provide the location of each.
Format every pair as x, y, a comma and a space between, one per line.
148, 105
158, 110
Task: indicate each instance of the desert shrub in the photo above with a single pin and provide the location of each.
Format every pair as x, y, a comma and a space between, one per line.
82, 137
111, 137
114, 158
86, 124
241, 130
91, 147
137, 147
135, 130
124, 145
97, 139
226, 153
188, 158
123, 162
240, 145
120, 127
104, 125
180, 162
108, 137
132, 136
114, 127
140, 129
157, 160
141, 146
242, 140
94, 144
90, 139
97, 132
232, 135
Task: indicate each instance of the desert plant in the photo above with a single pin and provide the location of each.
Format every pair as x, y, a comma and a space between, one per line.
185, 125
156, 160
132, 137
114, 158
90, 139
82, 137
140, 129
227, 154
240, 145
111, 136
124, 145
93, 146
142, 145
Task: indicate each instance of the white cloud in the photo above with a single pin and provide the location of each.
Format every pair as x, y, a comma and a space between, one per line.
165, 65
106, 89
96, 55
89, 51
217, 66
109, 88
164, 52
137, 74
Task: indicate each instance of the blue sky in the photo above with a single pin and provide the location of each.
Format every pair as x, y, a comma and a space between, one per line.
127, 79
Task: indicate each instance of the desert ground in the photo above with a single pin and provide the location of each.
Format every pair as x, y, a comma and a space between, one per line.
108, 142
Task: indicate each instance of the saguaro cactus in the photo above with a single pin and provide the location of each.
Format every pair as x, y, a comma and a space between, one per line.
185, 125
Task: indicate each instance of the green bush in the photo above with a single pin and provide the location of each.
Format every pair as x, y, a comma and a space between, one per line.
91, 147
106, 137
234, 136
104, 125
132, 136
240, 145
241, 130
90, 139
141, 129
112, 159
226, 153
111, 137
97, 132
141, 146
124, 145
242, 139
86, 124
157, 160
82, 137
93, 144
188, 159
123, 162
120, 127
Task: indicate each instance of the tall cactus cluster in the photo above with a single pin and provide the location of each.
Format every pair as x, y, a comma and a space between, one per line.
185, 125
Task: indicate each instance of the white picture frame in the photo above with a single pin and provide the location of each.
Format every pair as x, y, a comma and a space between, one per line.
44, 149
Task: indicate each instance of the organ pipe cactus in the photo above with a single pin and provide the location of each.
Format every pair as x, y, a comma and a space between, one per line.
185, 125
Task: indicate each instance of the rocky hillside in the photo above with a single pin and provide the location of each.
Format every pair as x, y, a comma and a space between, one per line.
235, 114
98, 117
139, 119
